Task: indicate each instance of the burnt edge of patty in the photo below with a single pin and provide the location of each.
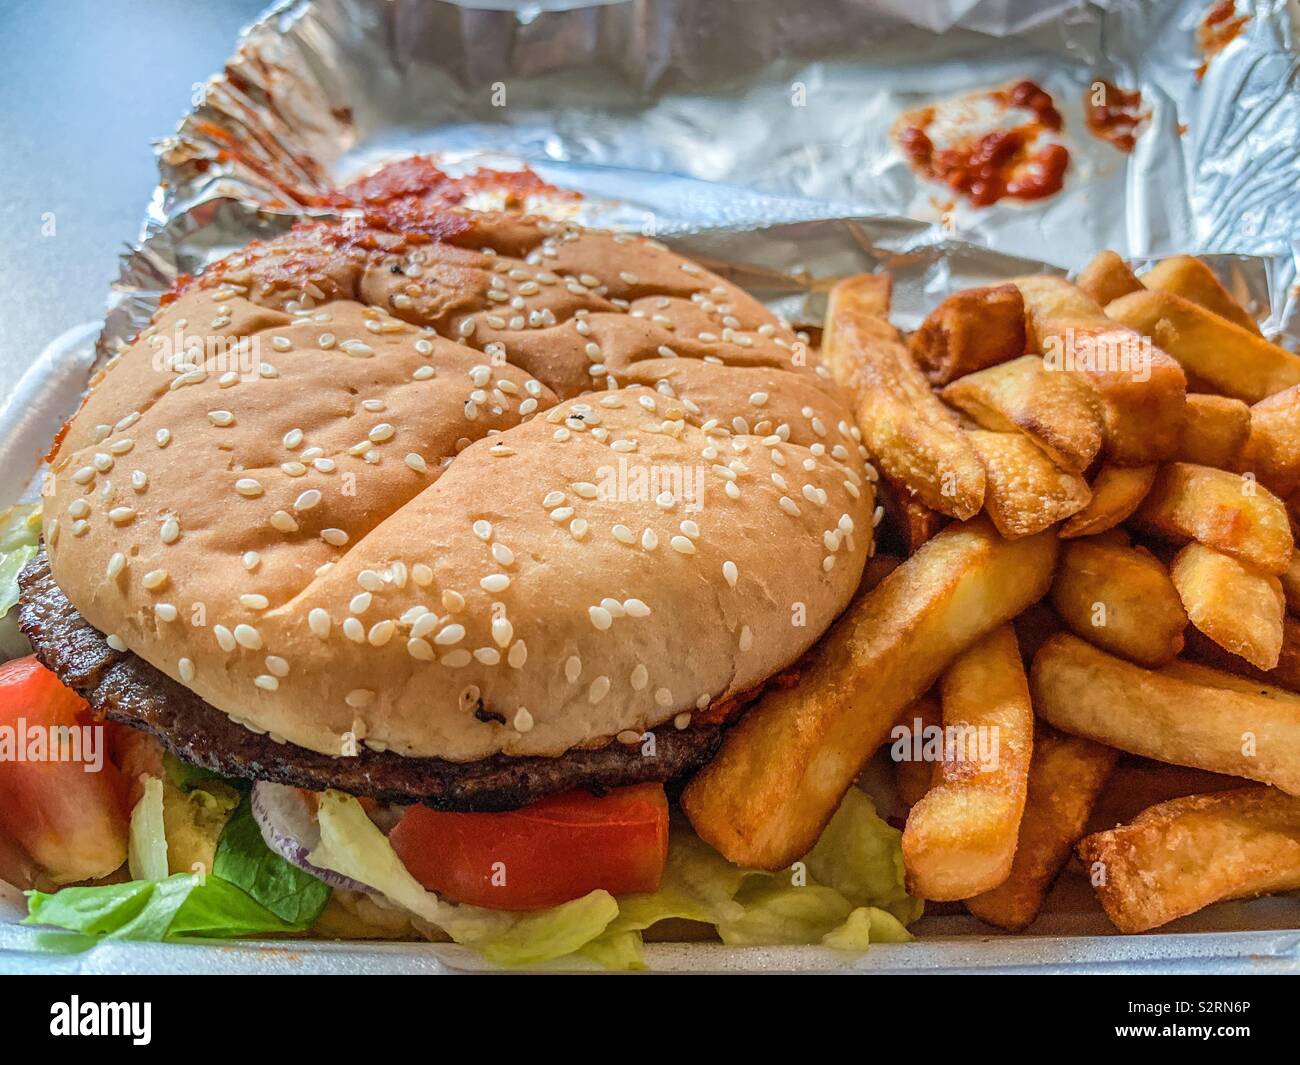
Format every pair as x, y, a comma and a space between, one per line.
125, 688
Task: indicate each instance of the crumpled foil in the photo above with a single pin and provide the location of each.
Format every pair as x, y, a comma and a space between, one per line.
677, 118
755, 134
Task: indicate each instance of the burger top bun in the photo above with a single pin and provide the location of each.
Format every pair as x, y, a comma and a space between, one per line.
459, 484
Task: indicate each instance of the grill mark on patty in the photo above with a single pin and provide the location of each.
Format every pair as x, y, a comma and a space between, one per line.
125, 688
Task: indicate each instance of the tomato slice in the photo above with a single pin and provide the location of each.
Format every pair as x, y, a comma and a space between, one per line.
557, 849
67, 812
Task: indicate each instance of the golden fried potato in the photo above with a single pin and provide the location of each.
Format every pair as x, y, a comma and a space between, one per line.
1286, 674
868, 294
961, 837
1121, 599
970, 330
1116, 493
1235, 604
1107, 277
1272, 452
1025, 492
1190, 278
1225, 357
912, 775
1228, 512
912, 437
1066, 776
1186, 714
783, 769
1183, 855
1215, 432
1057, 411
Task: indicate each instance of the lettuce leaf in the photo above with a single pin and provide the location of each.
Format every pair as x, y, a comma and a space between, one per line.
146, 855
181, 906
244, 860
20, 530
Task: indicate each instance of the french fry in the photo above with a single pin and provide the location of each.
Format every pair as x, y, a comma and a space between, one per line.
1141, 390
970, 330
1190, 278
1116, 493
1233, 603
1066, 776
912, 775
1230, 513
1286, 674
1057, 411
783, 769
1291, 585
1182, 855
1049, 298
961, 837
1177, 714
1137, 783
1025, 491
1107, 277
871, 295
1121, 599
910, 434
1215, 432
1272, 451
907, 519
1215, 352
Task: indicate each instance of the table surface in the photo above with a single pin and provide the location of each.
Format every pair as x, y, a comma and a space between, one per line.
86, 86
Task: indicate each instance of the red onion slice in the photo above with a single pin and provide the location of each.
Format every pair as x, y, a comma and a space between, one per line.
290, 831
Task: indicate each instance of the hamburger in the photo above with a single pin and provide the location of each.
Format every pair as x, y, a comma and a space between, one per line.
438, 518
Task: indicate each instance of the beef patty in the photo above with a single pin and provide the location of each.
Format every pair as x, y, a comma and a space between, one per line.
122, 687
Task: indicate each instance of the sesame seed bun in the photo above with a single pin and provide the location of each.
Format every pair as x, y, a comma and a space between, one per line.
492, 485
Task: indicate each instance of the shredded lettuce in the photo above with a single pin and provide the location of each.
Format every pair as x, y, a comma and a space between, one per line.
847, 893
20, 530
146, 855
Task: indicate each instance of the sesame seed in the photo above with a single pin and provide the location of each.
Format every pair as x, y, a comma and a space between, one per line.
116, 564
318, 620
789, 506
266, 682
254, 601
185, 668
84, 475
450, 634
381, 632
483, 529
488, 656
640, 677
523, 720
360, 602
682, 544
416, 462
121, 515
115, 641
248, 487
307, 500
517, 655
419, 649
502, 632
598, 690
247, 636
495, 582
334, 537
359, 697
578, 528
453, 602
354, 630
572, 668
139, 480
221, 418
78, 508
623, 534
292, 439
456, 659
635, 608
277, 666
154, 579
283, 521
225, 638
663, 697
649, 539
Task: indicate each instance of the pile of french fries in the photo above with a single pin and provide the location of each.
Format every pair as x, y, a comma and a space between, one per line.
1092, 500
